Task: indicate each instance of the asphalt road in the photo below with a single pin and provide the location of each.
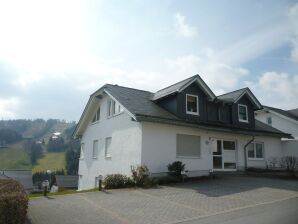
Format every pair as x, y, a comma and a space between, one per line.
282, 212
240, 200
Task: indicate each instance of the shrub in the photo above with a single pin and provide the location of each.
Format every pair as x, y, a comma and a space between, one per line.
289, 162
114, 181
140, 176
13, 202
272, 162
176, 168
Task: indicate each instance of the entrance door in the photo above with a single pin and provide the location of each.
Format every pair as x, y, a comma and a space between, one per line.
224, 155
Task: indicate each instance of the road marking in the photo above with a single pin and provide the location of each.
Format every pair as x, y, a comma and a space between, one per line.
172, 202
232, 210
113, 214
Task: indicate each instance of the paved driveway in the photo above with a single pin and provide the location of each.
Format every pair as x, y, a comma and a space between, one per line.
170, 204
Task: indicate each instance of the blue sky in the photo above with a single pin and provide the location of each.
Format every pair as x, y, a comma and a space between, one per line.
54, 54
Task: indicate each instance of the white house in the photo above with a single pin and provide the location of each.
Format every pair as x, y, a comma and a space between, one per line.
186, 121
284, 120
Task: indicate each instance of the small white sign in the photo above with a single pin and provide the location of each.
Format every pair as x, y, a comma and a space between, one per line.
100, 177
45, 183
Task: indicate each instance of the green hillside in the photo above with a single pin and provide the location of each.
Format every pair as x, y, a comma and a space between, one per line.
50, 161
14, 157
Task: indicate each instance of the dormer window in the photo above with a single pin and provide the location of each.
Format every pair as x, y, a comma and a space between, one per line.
192, 104
242, 113
96, 116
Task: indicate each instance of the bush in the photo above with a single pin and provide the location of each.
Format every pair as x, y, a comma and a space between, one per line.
176, 168
13, 202
140, 176
289, 162
114, 181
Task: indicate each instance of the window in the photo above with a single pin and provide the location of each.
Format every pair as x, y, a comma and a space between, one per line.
82, 151
95, 149
229, 145
192, 104
255, 150
188, 146
96, 116
242, 113
111, 107
108, 147
269, 120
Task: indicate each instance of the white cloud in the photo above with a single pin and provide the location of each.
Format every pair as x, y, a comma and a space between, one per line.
8, 107
255, 45
293, 15
221, 77
277, 89
182, 28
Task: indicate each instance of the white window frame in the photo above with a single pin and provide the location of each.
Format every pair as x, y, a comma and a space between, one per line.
255, 151
96, 115
82, 151
190, 112
118, 109
95, 149
241, 120
108, 155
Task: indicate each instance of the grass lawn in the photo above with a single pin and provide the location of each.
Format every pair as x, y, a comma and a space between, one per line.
63, 193
14, 157
50, 161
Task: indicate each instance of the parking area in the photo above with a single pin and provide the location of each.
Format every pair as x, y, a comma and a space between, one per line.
167, 204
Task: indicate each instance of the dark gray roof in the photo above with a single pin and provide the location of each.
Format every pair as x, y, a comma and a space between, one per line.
22, 176
142, 106
232, 96
294, 112
177, 87
172, 89
67, 181
139, 103
290, 113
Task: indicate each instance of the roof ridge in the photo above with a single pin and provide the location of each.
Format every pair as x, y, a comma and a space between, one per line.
233, 91
177, 83
116, 85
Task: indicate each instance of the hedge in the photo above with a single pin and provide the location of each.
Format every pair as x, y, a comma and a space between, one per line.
114, 181
13, 202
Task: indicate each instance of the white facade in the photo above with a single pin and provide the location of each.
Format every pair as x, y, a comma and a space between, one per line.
159, 148
125, 146
279, 122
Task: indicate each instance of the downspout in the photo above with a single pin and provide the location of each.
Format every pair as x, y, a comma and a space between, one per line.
245, 154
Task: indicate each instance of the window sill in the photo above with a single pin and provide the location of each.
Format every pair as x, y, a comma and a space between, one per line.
243, 121
115, 115
81, 158
96, 122
188, 157
108, 157
192, 113
256, 159
94, 158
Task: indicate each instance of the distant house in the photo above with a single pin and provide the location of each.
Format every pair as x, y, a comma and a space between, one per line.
66, 182
284, 120
22, 176
186, 121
